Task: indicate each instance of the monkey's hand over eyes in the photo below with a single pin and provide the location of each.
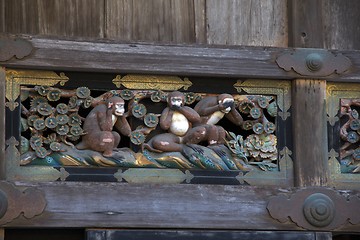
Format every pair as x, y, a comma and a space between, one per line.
226, 105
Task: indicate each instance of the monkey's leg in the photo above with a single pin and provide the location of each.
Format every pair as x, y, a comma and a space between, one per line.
116, 139
168, 143
107, 141
213, 134
222, 134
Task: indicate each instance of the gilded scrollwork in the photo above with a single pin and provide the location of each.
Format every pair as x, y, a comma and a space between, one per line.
166, 83
15, 78
281, 89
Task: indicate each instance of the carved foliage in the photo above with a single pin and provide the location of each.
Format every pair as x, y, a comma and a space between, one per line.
53, 118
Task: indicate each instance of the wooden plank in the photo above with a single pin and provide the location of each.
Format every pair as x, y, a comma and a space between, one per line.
172, 206
309, 132
107, 234
109, 56
200, 21
342, 24
305, 24
168, 21
81, 18
21, 16
2, 124
2, 16
118, 205
252, 23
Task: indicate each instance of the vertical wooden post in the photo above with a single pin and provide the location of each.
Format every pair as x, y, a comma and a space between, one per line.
2, 123
309, 132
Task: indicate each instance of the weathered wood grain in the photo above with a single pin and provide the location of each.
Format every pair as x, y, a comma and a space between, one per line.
309, 132
2, 15
109, 234
186, 60
200, 21
2, 124
80, 18
161, 206
247, 22
170, 21
306, 27
341, 23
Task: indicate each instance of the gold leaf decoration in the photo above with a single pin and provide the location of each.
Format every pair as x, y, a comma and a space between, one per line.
271, 87
16, 78
152, 82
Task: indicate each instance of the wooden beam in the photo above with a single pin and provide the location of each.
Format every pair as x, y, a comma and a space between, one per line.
2, 124
309, 132
188, 60
174, 206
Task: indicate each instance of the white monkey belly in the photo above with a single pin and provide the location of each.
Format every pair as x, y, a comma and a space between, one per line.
179, 124
215, 118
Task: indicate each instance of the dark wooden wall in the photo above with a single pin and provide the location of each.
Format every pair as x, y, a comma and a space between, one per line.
333, 24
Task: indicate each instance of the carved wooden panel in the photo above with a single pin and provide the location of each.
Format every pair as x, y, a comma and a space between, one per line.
343, 120
143, 128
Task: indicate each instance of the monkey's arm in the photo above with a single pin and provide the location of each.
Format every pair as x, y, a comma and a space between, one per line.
102, 119
206, 111
123, 126
234, 116
165, 119
190, 114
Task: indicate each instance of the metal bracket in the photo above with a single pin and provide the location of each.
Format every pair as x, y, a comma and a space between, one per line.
316, 208
314, 62
10, 47
13, 202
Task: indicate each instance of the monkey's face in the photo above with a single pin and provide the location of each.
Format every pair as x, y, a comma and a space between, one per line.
176, 102
227, 103
118, 108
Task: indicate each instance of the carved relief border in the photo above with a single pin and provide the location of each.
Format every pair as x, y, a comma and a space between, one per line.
282, 91
14, 79
335, 92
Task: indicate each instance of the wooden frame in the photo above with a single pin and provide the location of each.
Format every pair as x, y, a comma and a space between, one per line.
119, 205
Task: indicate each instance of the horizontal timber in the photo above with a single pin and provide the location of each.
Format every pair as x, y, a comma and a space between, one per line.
187, 60
165, 206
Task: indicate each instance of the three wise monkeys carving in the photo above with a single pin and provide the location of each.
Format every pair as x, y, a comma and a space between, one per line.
180, 124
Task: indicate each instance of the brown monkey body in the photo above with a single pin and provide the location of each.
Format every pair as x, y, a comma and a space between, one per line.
178, 120
99, 125
211, 110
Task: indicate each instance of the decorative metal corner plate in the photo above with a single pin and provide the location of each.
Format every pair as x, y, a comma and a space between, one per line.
29, 202
314, 62
316, 208
12, 47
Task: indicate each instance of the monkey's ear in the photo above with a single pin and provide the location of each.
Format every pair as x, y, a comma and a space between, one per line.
110, 104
